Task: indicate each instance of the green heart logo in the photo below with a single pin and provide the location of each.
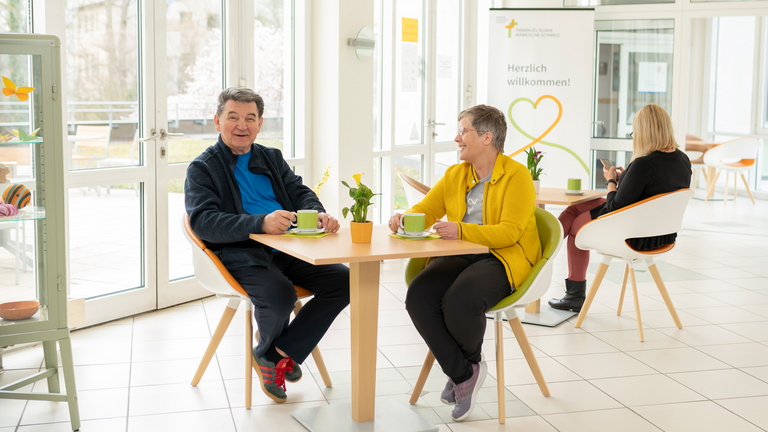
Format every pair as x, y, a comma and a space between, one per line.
539, 139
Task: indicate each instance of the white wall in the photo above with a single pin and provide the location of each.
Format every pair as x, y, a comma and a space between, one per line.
342, 128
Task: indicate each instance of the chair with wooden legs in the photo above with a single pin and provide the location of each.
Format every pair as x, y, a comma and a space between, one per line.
608, 234
214, 277
534, 286
735, 157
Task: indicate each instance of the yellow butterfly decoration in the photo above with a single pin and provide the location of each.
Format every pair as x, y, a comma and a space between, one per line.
23, 136
6, 138
10, 89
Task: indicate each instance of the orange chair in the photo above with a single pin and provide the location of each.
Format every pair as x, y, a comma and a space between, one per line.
214, 277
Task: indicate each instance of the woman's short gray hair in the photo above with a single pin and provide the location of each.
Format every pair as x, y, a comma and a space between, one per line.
488, 119
239, 94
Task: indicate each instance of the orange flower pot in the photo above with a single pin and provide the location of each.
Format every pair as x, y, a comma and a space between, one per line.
361, 231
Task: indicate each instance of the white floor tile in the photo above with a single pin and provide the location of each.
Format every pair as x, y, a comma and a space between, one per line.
758, 372
517, 372
570, 344
646, 390
608, 365
739, 355
107, 425
93, 404
704, 335
600, 421
170, 398
739, 298
514, 424
565, 397
207, 420
726, 315
176, 371
757, 331
271, 417
678, 360
697, 416
629, 340
722, 384
751, 409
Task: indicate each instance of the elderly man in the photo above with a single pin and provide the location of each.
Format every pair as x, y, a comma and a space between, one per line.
236, 188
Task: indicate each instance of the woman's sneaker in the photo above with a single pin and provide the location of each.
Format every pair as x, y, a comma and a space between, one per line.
448, 397
466, 392
272, 377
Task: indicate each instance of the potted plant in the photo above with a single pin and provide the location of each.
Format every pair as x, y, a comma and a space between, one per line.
361, 227
534, 157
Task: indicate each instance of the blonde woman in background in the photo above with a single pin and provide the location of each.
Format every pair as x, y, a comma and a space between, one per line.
657, 167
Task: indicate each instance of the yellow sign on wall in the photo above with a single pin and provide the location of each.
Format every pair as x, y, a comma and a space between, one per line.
410, 30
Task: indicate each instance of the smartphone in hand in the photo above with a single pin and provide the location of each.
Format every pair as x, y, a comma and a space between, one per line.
606, 163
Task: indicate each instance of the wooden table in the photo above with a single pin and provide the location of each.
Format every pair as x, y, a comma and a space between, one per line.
702, 146
533, 313
364, 261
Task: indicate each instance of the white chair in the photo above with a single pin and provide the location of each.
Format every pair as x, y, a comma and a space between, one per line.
95, 136
532, 288
608, 234
214, 277
414, 190
735, 157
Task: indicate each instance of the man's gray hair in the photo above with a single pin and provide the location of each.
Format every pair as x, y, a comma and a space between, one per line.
239, 94
488, 119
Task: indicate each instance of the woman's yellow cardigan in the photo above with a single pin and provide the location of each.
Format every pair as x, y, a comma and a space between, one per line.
509, 225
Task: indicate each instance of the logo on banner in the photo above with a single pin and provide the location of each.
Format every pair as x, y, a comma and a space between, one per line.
539, 139
510, 26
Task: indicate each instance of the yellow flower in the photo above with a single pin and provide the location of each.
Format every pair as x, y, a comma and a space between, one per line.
357, 178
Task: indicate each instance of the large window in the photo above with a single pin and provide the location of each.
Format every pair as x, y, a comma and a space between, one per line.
14, 16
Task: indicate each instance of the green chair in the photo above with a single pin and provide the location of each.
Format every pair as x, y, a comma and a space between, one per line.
534, 286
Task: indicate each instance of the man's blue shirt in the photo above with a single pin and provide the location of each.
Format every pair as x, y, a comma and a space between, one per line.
255, 189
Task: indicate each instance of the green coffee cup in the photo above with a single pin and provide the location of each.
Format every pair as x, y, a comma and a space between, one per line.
306, 220
574, 184
412, 223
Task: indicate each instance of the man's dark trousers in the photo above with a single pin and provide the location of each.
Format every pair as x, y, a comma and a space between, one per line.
273, 296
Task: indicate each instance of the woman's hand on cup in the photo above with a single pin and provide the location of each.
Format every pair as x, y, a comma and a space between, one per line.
447, 230
277, 222
328, 222
394, 222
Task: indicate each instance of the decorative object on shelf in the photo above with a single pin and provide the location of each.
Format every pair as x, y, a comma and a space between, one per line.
7, 210
18, 310
22, 93
6, 138
23, 136
361, 227
326, 174
17, 195
534, 157
4, 173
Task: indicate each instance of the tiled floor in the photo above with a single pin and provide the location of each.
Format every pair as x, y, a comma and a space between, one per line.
133, 374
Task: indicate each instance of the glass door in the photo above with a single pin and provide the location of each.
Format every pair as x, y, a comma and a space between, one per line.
190, 76
419, 67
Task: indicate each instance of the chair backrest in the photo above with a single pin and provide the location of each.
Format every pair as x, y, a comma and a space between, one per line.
658, 215
736, 154
538, 281
414, 190
101, 132
209, 271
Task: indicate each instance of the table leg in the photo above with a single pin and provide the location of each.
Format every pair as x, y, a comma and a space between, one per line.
364, 316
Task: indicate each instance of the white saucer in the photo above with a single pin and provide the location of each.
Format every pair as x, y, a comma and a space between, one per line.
568, 192
425, 234
311, 232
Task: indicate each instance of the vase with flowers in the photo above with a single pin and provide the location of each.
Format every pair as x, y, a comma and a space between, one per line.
361, 227
534, 158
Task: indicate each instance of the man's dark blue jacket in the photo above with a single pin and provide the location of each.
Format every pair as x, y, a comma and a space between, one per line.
215, 209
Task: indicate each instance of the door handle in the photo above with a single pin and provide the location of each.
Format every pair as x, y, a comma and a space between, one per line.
154, 136
434, 123
164, 134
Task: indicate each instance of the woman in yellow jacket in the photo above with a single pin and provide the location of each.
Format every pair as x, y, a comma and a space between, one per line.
488, 199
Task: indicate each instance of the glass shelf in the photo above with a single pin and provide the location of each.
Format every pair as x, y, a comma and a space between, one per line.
26, 214
16, 142
40, 316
